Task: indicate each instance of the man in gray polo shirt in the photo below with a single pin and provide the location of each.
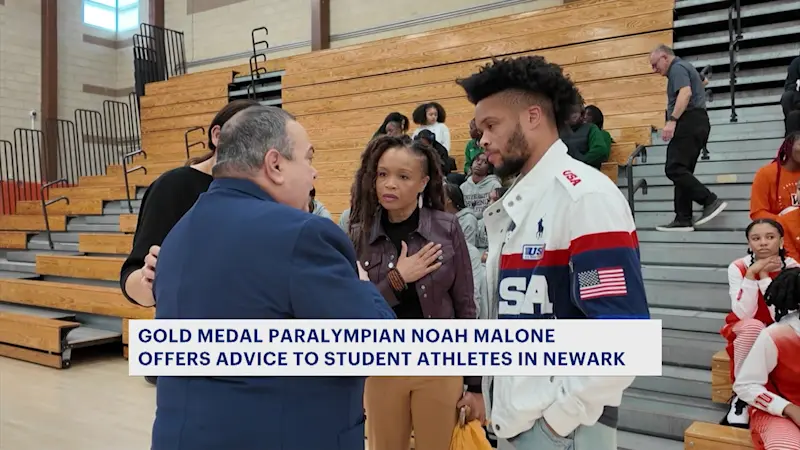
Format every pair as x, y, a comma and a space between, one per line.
687, 131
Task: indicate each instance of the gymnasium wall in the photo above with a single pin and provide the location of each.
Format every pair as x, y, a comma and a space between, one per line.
88, 63
218, 31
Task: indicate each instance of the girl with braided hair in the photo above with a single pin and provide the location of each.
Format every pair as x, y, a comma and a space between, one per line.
769, 378
417, 255
774, 193
748, 280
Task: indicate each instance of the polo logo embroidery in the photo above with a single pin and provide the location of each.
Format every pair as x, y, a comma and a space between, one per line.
540, 230
571, 177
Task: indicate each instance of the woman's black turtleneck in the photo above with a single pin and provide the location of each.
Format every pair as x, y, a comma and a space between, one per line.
397, 232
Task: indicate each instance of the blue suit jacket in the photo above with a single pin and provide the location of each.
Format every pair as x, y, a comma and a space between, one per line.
238, 254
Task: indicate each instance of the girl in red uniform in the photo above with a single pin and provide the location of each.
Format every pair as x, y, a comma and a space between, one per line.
748, 280
769, 378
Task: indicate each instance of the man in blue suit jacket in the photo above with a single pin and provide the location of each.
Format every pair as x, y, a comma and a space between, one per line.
249, 250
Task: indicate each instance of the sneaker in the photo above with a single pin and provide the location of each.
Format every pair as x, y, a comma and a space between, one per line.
151, 380
738, 415
711, 211
675, 226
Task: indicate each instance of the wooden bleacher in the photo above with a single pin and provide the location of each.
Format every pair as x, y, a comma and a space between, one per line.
712, 436
341, 96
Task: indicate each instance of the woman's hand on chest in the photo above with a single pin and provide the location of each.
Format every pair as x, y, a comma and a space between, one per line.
421, 263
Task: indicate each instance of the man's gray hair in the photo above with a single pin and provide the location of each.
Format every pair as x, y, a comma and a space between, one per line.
665, 49
247, 137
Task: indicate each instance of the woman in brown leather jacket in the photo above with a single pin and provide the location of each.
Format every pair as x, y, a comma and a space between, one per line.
417, 256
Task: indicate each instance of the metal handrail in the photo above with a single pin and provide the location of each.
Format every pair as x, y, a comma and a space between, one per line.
641, 150
186, 139
47, 203
126, 171
734, 37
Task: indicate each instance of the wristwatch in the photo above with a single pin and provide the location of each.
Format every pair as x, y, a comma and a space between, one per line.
672, 119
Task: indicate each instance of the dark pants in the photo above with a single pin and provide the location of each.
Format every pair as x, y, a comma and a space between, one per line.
691, 136
790, 103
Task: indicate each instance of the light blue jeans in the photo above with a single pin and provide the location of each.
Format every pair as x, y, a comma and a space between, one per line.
596, 437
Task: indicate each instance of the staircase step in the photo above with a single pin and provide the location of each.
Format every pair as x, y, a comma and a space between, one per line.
634, 441
690, 348
751, 34
710, 167
62, 236
94, 220
727, 178
94, 228
662, 193
753, 76
106, 243
29, 256
84, 336
747, 55
689, 296
695, 237
736, 131
726, 220
747, 11
745, 98
16, 266
667, 205
35, 244
677, 254
678, 381
656, 272
137, 178
689, 320
6, 274
664, 415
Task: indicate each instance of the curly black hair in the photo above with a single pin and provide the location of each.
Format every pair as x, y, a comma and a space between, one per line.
418, 116
364, 197
544, 82
784, 293
392, 117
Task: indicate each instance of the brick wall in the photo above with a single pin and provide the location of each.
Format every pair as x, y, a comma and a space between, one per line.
216, 28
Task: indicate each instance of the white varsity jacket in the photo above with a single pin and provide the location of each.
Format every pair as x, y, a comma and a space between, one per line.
562, 244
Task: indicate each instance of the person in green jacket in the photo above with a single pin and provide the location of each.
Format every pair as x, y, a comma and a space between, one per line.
473, 146
585, 140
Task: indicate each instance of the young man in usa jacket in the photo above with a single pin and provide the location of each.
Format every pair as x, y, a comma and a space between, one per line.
562, 244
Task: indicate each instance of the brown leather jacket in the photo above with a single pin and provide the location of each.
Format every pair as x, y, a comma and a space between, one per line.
447, 292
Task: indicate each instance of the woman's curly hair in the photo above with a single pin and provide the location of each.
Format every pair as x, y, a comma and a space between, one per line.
532, 75
363, 194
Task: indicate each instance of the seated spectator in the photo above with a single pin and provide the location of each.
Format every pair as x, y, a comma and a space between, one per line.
473, 148
431, 116
394, 124
316, 207
790, 100
454, 204
774, 193
748, 280
479, 185
586, 141
769, 378
446, 163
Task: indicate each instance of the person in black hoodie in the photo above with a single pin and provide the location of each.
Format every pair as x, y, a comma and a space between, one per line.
790, 100
447, 163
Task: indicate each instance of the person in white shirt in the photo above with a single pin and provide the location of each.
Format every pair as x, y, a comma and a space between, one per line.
769, 378
431, 116
562, 244
748, 280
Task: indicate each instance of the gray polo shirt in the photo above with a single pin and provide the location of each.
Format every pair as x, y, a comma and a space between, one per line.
680, 75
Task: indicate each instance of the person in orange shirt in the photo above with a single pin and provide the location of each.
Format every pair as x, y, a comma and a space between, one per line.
774, 193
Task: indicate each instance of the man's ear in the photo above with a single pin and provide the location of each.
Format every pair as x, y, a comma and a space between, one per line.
272, 166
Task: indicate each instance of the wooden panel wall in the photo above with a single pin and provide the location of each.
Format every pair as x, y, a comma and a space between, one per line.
342, 95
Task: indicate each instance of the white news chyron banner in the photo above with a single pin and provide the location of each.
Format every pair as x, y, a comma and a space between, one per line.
395, 347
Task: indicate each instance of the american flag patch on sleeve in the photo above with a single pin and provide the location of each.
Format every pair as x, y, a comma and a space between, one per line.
606, 282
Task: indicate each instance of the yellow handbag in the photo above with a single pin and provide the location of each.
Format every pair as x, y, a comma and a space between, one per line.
469, 436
